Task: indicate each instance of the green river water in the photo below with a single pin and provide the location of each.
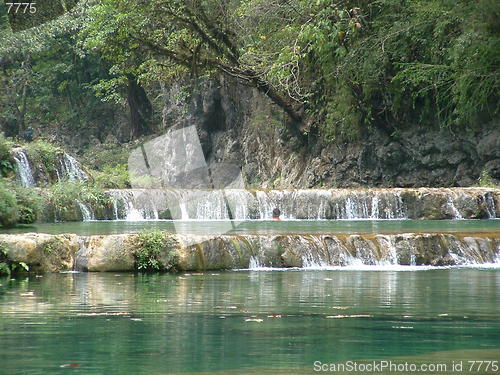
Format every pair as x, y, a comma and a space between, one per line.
266, 227
247, 322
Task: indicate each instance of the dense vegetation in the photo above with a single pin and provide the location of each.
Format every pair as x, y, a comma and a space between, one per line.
155, 251
336, 68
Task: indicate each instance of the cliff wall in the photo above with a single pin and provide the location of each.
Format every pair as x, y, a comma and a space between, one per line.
238, 125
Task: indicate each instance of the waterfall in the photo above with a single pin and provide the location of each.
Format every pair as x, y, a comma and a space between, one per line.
390, 253
456, 214
71, 169
254, 263
490, 205
209, 252
23, 168
301, 204
131, 205
87, 214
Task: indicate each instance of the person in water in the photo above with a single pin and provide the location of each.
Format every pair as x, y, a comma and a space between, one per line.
276, 214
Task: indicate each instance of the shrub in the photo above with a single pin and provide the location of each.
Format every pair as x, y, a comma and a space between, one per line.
112, 177
6, 160
485, 180
43, 152
29, 204
106, 155
7, 267
154, 251
9, 210
64, 196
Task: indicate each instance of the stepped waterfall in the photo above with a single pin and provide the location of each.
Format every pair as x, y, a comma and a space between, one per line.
304, 204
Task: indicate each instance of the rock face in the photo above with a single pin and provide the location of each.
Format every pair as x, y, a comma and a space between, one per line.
238, 125
51, 253
42, 252
105, 253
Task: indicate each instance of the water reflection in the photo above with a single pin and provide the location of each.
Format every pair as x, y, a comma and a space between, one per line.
126, 323
265, 227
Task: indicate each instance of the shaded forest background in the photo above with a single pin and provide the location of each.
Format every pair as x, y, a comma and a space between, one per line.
338, 70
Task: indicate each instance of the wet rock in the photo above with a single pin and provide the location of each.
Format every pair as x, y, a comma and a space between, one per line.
42, 252
52, 253
106, 253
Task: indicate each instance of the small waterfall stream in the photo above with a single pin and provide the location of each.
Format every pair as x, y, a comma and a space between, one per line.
23, 167
87, 213
71, 169
67, 167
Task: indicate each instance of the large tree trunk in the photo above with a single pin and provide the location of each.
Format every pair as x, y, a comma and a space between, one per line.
21, 112
140, 109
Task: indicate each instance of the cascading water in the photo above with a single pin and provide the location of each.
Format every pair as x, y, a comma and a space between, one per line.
23, 168
87, 214
456, 214
71, 169
133, 205
309, 204
490, 206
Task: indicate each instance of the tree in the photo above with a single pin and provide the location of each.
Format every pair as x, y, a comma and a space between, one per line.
178, 37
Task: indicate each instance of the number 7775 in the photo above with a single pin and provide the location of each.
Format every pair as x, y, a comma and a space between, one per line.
21, 7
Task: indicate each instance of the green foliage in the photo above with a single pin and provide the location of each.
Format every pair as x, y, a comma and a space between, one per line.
47, 80
101, 156
485, 180
112, 177
9, 210
18, 204
29, 204
6, 160
43, 152
4, 269
5, 147
154, 251
64, 196
8, 267
348, 65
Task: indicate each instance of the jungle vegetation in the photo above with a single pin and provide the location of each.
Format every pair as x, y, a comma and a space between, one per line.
336, 67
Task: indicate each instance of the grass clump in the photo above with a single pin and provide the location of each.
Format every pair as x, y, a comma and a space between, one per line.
29, 203
485, 180
154, 251
18, 205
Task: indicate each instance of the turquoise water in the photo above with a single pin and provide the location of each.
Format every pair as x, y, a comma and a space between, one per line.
199, 323
266, 227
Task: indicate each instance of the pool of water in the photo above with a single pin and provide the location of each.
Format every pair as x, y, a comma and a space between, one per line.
245, 322
266, 227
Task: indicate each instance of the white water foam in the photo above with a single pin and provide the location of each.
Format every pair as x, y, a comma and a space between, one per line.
23, 168
72, 169
362, 267
87, 214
